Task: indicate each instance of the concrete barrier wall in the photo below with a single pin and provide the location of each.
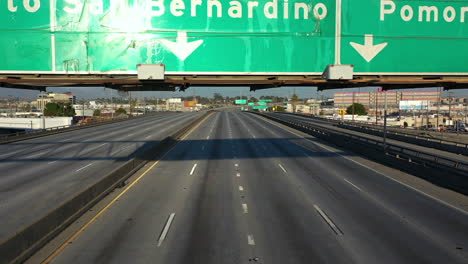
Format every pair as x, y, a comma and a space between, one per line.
25, 242
52, 131
35, 123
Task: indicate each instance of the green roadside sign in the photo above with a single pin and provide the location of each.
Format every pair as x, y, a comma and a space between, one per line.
260, 107
241, 102
262, 103
385, 37
266, 100
251, 104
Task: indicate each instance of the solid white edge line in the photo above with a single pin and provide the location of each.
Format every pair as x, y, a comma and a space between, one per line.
376, 171
193, 169
166, 229
250, 240
282, 168
328, 220
352, 184
84, 167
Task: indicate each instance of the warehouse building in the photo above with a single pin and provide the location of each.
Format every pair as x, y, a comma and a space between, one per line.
376, 100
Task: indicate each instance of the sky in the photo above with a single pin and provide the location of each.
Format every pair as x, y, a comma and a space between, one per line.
100, 92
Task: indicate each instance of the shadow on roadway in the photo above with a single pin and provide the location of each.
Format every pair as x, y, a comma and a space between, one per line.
210, 149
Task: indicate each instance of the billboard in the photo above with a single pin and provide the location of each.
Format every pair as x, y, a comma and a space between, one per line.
190, 103
414, 105
174, 100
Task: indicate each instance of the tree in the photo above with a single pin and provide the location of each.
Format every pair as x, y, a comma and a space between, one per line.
97, 112
51, 109
120, 111
357, 109
59, 109
218, 97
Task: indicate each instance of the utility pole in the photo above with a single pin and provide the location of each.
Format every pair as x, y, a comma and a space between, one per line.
450, 106
438, 106
112, 105
353, 107
427, 114
376, 106
385, 124
130, 103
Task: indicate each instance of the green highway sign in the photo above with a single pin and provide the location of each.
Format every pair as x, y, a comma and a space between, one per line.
260, 107
262, 103
404, 36
295, 37
251, 104
266, 100
241, 101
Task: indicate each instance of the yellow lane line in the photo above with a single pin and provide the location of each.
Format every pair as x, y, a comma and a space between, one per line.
83, 228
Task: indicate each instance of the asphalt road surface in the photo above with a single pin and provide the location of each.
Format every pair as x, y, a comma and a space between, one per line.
38, 175
240, 189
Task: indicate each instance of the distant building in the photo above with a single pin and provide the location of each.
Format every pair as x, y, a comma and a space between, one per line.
377, 99
174, 104
44, 99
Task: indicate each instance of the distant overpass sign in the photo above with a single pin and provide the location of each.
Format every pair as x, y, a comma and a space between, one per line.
243, 102
295, 37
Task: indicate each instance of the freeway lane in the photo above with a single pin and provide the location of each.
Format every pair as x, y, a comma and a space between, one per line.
240, 189
40, 174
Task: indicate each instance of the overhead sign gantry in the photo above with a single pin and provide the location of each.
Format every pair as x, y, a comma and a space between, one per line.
277, 42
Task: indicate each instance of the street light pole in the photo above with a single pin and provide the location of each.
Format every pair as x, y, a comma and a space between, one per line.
438, 106
385, 124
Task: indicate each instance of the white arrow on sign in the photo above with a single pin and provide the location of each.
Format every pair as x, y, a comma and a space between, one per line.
182, 48
368, 51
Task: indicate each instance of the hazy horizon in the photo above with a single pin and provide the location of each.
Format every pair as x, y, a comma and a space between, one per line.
101, 92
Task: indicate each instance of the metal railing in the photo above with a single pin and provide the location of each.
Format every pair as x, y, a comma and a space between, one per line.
460, 147
412, 155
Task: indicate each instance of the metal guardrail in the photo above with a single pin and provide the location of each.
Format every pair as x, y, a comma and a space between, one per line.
369, 128
410, 154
